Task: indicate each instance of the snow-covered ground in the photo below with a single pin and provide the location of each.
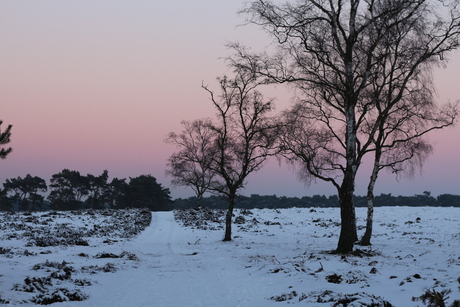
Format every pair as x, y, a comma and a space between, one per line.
277, 257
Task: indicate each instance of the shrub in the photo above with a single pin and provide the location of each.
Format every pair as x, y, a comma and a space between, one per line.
245, 212
64, 274
5, 251
334, 278
284, 297
124, 254
93, 269
200, 217
82, 282
51, 264
240, 220
129, 256
59, 295
106, 255
361, 299
46, 240
433, 298
3, 301
109, 268
34, 284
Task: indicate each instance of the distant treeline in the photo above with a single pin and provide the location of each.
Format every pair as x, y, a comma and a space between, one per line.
70, 190
273, 201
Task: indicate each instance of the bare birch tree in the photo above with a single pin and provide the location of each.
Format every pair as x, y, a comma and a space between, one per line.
245, 135
331, 53
404, 107
404, 110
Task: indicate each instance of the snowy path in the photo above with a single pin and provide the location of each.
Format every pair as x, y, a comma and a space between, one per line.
172, 257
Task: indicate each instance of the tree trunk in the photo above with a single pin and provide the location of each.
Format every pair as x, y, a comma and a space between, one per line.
22, 202
198, 200
348, 234
366, 239
228, 218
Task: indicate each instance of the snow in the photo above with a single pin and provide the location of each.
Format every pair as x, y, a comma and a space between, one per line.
277, 257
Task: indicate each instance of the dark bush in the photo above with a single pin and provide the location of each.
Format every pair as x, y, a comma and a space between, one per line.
5, 251
93, 269
240, 220
34, 284
82, 282
284, 297
106, 255
52, 264
3, 301
201, 218
59, 295
334, 278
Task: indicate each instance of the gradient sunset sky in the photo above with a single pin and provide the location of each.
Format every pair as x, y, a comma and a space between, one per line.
95, 85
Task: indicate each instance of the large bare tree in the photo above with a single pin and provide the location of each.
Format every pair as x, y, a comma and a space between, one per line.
245, 135
5, 139
191, 165
332, 53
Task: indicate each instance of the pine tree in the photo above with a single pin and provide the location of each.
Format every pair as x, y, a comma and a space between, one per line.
5, 139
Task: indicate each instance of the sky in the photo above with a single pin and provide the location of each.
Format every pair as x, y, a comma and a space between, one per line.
95, 85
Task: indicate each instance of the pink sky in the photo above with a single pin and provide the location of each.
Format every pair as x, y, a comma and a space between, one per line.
94, 85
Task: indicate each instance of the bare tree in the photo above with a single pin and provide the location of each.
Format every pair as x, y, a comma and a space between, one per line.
403, 152
5, 139
404, 111
191, 166
333, 53
244, 135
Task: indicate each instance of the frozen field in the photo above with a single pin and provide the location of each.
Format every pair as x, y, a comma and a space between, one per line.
278, 257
